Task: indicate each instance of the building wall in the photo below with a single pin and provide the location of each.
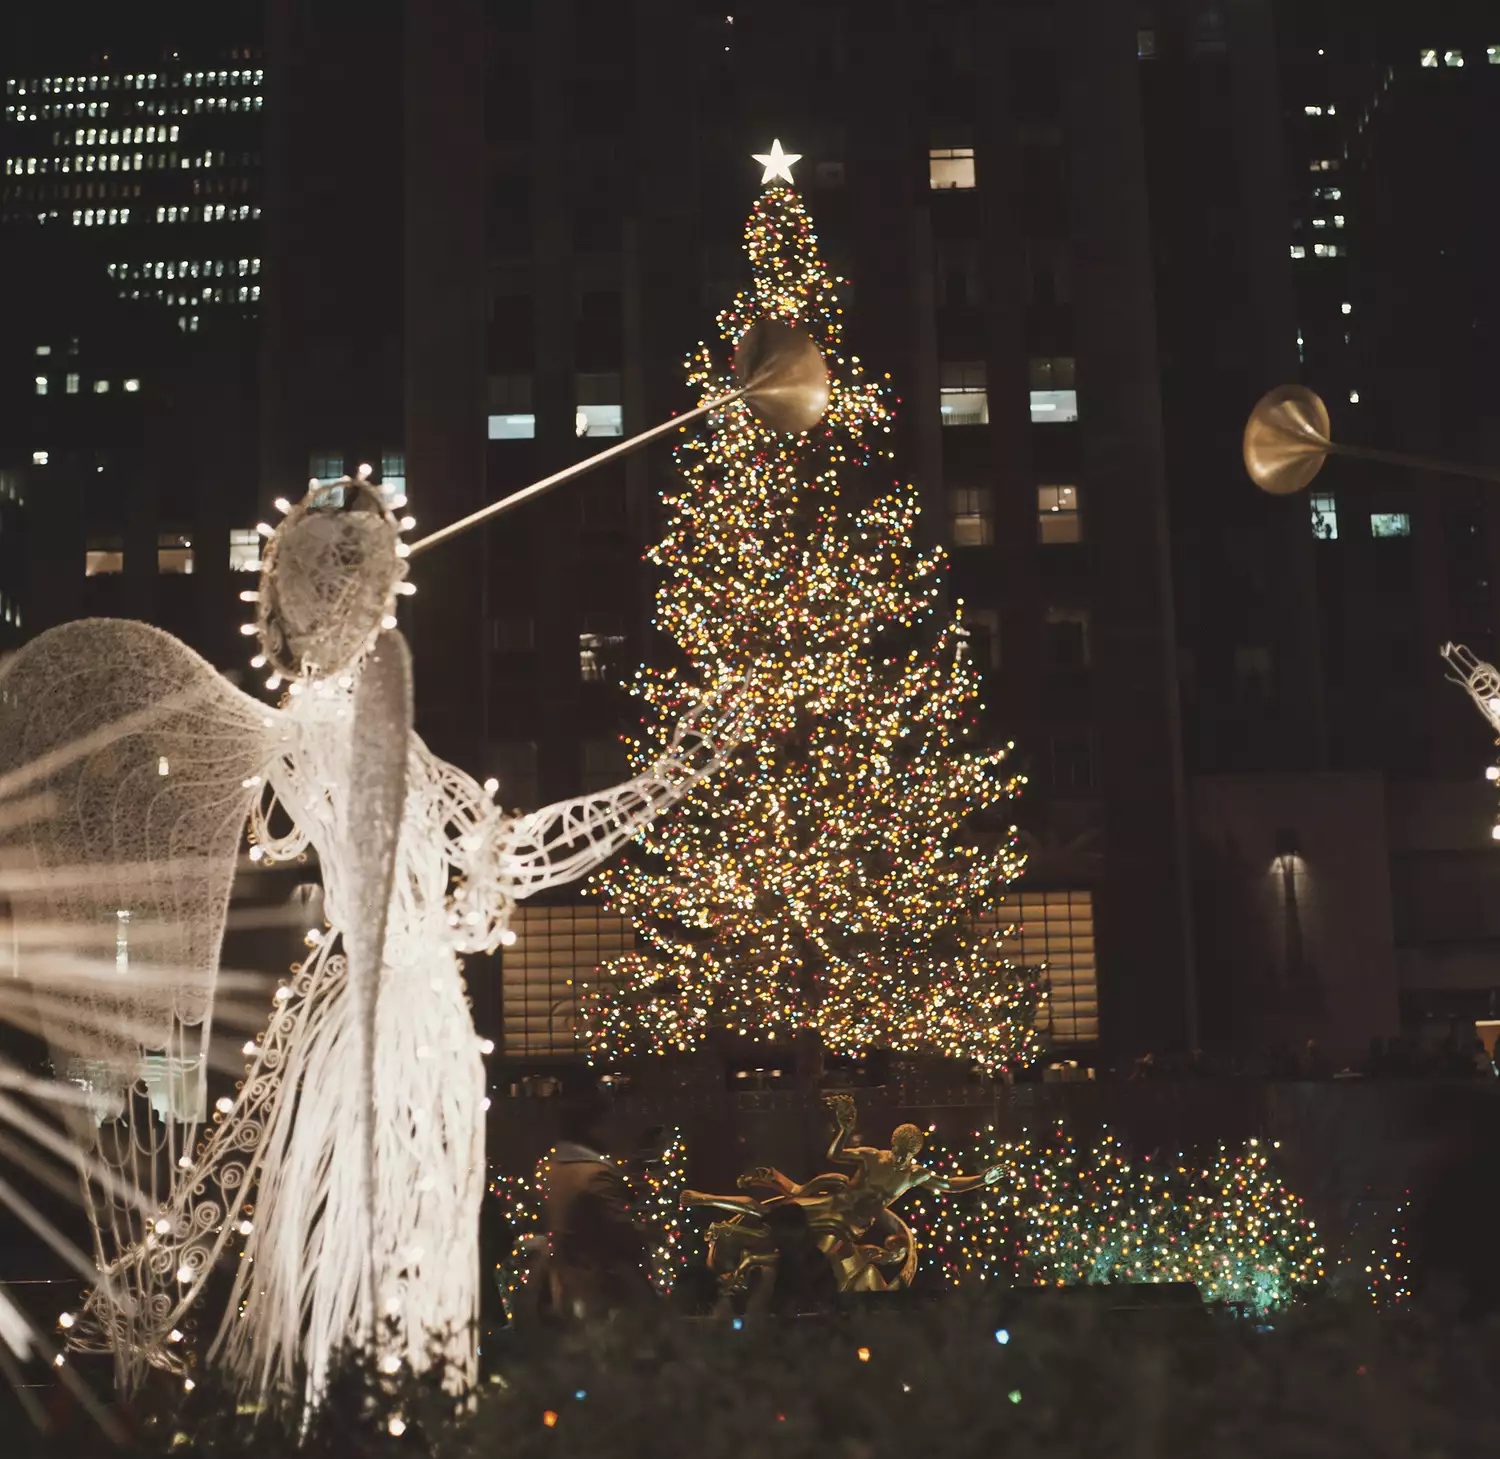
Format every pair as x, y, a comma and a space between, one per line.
1295, 921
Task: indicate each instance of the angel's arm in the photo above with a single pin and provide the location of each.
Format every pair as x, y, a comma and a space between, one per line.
562, 842
1482, 680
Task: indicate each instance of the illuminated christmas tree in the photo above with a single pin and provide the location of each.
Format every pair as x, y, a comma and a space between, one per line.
829, 880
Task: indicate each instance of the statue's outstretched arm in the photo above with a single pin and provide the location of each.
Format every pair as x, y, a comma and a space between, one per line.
1482, 680
562, 842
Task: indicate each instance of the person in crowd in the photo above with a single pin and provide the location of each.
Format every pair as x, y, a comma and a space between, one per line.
597, 1263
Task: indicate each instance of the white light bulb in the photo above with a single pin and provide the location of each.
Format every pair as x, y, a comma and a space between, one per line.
257, 853
248, 1047
184, 1274
389, 621
162, 1227
188, 1385
246, 1228
491, 786
265, 529
363, 471
175, 1335
407, 523
403, 549
486, 1046
282, 505
66, 1320
507, 938
1492, 773
399, 501
407, 590
224, 1104
248, 629
390, 1364
274, 682
258, 662
249, 596
395, 1425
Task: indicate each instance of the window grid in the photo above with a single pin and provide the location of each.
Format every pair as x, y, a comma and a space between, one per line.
555, 949
971, 516
1057, 515
1055, 931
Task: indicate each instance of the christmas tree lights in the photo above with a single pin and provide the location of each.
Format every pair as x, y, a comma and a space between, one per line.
1061, 1216
656, 1208
826, 881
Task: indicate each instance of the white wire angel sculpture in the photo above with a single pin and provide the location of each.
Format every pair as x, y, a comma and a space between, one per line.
359, 1125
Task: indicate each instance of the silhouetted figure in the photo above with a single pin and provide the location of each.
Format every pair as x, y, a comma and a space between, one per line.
598, 1257
801, 1281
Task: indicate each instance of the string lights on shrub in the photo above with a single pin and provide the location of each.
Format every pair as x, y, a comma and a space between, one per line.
1062, 1216
825, 881
523, 1201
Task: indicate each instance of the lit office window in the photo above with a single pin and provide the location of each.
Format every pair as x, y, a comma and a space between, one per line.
1325, 518
1492, 55
104, 556
41, 384
1453, 58
1298, 251
244, 549
1338, 220
1320, 222
557, 950
392, 475
963, 394
1429, 58
979, 637
325, 466
949, 167
971, 516
1054, 394
1145, 45
1055, 931
601, 639
1312, 111
39, 458
72, 384
1057, 516
101, 387
132, 386
174, 553
1354, 397
1390, 524
599, 412
1346, 308
511, 415
44, 349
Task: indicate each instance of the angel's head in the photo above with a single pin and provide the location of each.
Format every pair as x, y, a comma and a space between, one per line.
329, 579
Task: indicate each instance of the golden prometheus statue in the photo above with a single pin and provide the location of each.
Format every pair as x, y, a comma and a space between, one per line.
870, 1248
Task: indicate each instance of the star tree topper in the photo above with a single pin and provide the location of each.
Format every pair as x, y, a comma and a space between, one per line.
776, 162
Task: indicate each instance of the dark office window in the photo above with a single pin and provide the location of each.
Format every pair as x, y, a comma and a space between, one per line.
1066, 641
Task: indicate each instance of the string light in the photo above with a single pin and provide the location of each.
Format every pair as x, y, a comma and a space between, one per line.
828, 879
657, 1206
1062, 1216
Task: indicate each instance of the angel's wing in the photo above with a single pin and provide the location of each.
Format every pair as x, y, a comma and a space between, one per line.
138, 763
127, 770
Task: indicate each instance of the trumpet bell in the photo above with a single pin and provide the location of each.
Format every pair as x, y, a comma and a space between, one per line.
782, 373
1286, 439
